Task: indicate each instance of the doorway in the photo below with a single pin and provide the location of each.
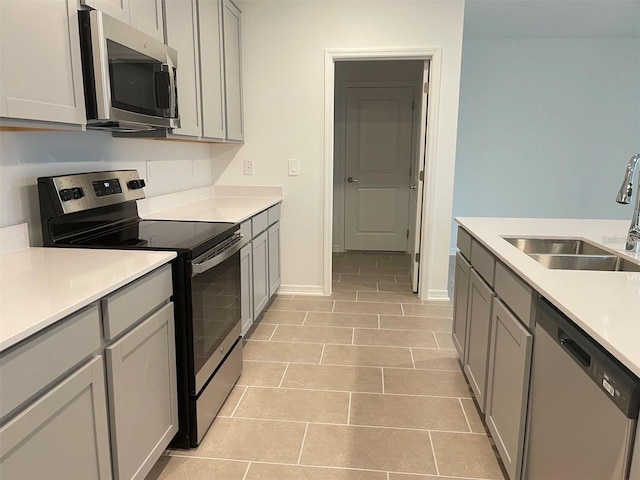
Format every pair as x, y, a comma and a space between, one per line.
380, 112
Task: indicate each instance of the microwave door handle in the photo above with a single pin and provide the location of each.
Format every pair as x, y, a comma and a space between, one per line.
173, 101
163, 88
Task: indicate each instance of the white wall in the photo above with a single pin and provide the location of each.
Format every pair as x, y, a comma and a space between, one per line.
24, 156
284, 44
546, 126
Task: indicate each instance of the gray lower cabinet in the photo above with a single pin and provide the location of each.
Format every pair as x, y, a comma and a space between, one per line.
246, 294
141, 375
64, 434
59, 418
460, 303
274, 258
480, 304
260, 260
508, 386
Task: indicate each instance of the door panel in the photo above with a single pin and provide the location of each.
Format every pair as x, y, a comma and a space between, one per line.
378, 143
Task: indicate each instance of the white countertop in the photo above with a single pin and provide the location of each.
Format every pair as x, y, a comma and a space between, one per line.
606, 305
219, 203
39, 286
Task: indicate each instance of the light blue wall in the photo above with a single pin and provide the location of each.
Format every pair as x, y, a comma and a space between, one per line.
546, 127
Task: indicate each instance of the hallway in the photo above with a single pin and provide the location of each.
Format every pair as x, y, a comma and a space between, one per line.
362, 385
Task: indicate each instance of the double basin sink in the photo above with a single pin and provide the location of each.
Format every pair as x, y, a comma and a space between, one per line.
572, 254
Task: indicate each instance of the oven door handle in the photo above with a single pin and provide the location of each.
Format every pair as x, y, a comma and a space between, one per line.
201, 267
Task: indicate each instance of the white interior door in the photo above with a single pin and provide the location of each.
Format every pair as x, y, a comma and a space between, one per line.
378, 146
417, 184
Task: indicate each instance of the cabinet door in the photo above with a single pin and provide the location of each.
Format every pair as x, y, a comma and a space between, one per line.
460, 297
260, 273
118, 9
274, 258
41, 74
141, 374
146, 16
233, 72
508, 386
63, 435
477, 341
211, 68
182, 34
246, 294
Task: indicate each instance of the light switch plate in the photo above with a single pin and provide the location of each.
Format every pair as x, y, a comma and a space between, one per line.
294, 167
248, 167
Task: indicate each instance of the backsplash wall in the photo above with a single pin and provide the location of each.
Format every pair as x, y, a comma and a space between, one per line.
166, 166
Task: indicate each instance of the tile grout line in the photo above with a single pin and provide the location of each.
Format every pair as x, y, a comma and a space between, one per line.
413, 360
239, 401
304, 437
433, 452
273, 333
436, 339
465, 414
284, 374
349, 410
322, 354
304, 320
246, 472
353, 336
382, 377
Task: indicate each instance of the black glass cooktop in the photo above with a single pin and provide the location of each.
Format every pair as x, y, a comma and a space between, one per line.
181, 236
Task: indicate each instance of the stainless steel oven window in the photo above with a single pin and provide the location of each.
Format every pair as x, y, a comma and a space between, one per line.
216, 311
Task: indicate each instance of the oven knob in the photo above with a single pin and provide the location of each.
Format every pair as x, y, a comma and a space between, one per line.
77, 192
66, 194
136, 184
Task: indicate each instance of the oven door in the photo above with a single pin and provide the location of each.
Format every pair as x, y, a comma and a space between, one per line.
216, 308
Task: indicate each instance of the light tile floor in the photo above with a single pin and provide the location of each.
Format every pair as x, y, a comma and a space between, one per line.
362, 385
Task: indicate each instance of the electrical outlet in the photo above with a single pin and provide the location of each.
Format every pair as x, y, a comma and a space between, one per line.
294, 167
248, 167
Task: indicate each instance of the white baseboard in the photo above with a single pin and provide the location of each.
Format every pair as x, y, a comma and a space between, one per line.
301, 290
438, 296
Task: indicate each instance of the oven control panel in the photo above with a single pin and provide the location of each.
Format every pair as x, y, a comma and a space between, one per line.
84, 191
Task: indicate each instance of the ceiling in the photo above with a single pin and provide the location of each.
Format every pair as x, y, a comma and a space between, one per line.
552, 19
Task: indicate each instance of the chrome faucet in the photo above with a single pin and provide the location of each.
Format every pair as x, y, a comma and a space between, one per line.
624, 197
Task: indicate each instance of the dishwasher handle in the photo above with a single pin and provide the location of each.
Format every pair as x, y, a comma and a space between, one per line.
574, 349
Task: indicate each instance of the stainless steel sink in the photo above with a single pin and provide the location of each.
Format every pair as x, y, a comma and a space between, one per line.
571, 246
572, 254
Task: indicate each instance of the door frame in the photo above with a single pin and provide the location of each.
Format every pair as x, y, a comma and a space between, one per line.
428, 227
339, 157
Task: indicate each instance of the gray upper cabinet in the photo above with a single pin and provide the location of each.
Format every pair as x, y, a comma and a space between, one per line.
233, 72
181, 29
212, 68
41, 74
145, 16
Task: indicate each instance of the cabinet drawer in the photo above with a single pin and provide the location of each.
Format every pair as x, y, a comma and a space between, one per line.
31, 366
245, 230
516, 294
124, 308
274, 214
483, 261
260, 222
464, 242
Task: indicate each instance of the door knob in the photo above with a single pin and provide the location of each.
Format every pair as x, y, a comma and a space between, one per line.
413, 187
352, 180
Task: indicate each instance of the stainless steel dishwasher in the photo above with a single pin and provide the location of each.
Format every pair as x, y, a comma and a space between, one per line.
583, 405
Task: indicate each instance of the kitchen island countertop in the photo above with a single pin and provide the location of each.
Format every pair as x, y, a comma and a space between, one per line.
606, 305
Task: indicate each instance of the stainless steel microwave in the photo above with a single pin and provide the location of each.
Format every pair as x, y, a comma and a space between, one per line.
129, 77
